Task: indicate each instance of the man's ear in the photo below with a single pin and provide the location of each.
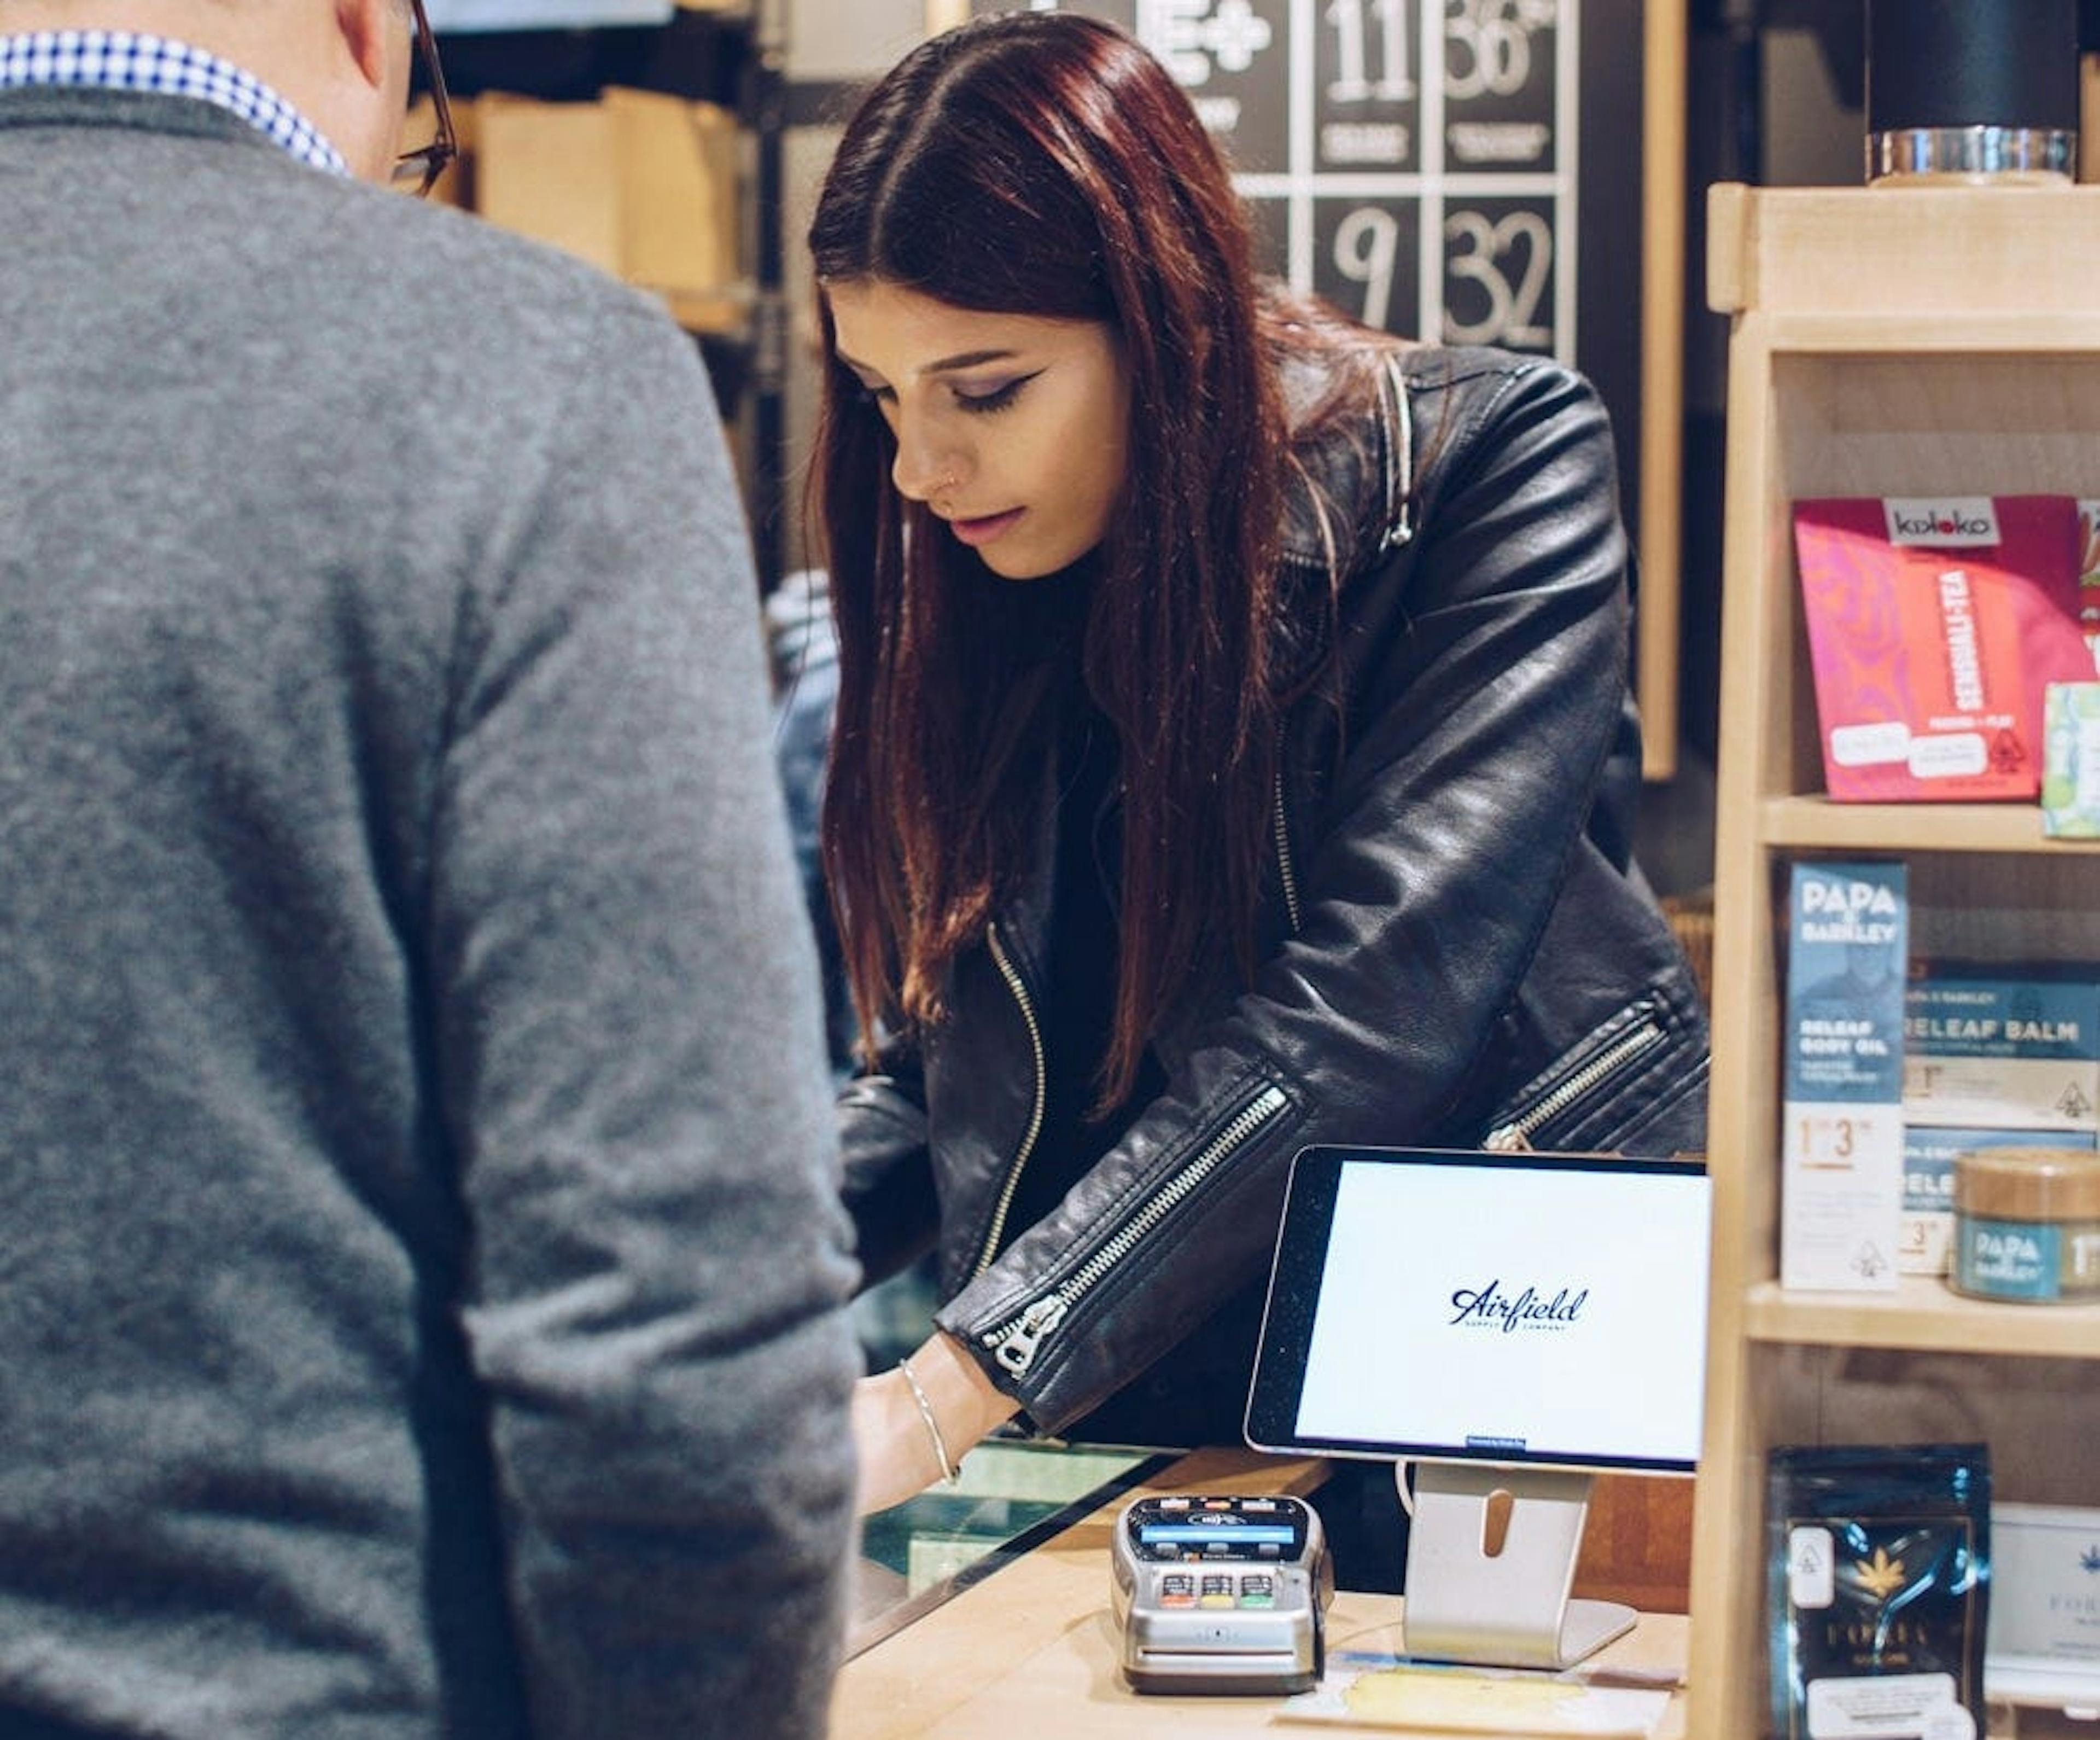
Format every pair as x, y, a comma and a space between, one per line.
365, 25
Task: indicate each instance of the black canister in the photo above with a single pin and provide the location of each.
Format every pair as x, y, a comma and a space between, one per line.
1972, 90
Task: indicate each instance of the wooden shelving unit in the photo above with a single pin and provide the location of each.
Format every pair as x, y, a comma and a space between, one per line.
573, 136
1912, 342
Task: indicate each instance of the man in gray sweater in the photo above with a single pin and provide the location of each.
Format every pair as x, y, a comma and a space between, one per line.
421, 1274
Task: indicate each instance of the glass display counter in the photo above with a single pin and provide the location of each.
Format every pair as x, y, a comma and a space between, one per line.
1011, 1496
1021, 1642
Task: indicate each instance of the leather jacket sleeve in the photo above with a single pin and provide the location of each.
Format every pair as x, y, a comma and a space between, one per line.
1436, 817
888, 1168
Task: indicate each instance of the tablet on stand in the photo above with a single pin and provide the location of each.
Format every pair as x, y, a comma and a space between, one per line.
1505, 1325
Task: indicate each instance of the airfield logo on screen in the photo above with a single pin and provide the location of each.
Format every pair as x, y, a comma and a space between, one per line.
1490, 1308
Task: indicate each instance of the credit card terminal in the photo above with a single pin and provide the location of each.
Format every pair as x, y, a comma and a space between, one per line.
1221, 1594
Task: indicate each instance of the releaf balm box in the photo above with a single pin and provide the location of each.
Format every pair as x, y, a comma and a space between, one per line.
2043, 1634
1842, 1147
2002, 1047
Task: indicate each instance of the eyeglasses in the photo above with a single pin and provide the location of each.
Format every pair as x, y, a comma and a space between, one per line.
419, 169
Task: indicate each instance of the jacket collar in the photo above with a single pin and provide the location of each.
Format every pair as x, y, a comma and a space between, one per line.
1349, 503
1349, 498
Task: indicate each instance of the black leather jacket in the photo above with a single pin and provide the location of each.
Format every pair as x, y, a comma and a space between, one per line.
1459, 952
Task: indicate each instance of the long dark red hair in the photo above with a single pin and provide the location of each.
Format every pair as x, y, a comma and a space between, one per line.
1044, 164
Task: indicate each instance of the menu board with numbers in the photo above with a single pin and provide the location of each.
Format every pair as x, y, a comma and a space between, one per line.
1415, 161
1466, 170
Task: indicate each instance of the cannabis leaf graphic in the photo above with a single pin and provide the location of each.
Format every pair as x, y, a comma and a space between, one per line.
1882, 1576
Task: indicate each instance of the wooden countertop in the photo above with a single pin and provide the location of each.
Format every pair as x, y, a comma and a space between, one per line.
1030, 1653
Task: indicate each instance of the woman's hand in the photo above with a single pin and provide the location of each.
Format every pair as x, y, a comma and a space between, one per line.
897, 1452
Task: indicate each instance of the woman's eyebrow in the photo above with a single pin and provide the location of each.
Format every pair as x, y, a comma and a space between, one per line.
964, 360
968, 360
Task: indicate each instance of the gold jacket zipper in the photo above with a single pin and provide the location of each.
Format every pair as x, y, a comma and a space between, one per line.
1012, 974
1015, 1342
1514, 1136
1288, 874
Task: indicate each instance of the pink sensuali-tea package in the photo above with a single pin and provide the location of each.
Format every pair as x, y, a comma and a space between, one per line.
1934, 629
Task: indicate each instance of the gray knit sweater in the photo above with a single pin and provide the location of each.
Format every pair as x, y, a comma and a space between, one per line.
421, 1278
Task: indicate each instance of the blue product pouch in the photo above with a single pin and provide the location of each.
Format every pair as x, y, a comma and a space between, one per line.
1879, 1561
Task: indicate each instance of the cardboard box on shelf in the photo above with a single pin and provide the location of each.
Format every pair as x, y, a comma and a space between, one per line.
679, 217
643, 185
551, 170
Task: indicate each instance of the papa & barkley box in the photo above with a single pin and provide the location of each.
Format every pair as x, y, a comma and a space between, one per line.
1925, 1244
1841, 1144
1992, 1055
1935, 626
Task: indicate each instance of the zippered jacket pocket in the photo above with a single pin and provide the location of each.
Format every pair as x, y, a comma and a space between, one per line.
1016, 1342
1644, 1070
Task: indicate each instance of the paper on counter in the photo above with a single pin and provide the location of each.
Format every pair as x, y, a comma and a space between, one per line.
1368, 1689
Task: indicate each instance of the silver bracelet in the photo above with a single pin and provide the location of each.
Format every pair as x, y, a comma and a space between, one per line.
951, 1471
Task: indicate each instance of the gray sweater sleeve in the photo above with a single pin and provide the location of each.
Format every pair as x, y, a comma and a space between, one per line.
631, 1037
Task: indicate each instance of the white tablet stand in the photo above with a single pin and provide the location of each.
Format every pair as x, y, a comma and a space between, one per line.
1490, 1558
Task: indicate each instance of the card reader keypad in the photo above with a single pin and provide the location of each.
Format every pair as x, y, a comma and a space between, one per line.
1217, 1589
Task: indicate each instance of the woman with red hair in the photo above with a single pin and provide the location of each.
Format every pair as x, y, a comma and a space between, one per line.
1233, 749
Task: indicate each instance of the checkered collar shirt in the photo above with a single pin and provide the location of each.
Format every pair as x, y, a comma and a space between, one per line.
127, 61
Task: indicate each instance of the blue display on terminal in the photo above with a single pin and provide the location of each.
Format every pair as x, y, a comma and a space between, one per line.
1215, 1534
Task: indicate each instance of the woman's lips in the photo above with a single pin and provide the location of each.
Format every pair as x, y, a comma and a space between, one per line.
976, 531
